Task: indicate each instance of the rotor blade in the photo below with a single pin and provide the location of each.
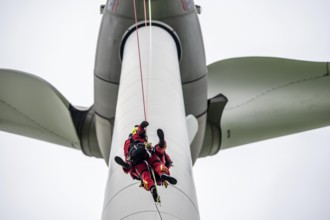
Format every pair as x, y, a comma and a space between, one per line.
31, 107
269, 97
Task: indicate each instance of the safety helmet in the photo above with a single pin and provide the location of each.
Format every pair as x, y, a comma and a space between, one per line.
134, 130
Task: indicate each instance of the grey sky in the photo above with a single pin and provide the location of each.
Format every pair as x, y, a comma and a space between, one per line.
283, 178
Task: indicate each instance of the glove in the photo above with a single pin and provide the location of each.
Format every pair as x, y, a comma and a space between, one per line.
148, 145
168, 164
144, 124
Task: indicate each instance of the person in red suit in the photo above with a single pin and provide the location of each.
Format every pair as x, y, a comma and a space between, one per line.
139, 154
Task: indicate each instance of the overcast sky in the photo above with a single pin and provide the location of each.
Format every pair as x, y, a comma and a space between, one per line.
284, 178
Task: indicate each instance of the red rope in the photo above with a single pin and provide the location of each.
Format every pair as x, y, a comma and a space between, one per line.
116, 6
138, 43
145, 24
145, 12
184, 5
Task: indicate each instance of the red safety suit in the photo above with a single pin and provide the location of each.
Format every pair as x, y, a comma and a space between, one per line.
157, 161
163, 156
145, 175
139, 136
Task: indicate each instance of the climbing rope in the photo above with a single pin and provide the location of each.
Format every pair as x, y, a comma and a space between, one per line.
158, 199
150, 49
148, 70
145, 12
140, 63
149, 54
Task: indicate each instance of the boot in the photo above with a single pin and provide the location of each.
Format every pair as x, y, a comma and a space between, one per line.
154, 193
144, 124
122, 163
160, 134
168, 178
